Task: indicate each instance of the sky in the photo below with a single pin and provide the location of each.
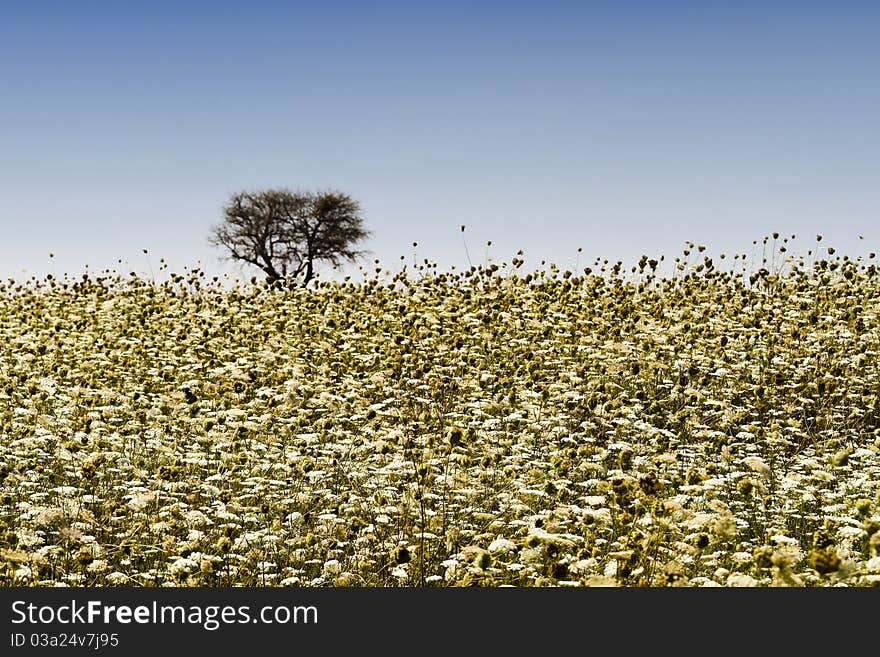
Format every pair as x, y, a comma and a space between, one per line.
622, 128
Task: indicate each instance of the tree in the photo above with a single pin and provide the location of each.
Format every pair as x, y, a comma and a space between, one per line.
286, 232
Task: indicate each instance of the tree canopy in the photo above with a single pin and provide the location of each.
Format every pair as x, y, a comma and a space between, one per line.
285, 233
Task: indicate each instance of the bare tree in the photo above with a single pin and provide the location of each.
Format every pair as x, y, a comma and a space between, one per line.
286, 232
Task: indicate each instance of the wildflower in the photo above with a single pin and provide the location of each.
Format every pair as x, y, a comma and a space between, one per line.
724, 526
650, 483
746, 486
823, 538
97, 566
824, 560
841, 457
758, 465
701, 541
740, 580
400, 555
625, 458
502, 546
117, 578
863, 506
763, 556
182, 566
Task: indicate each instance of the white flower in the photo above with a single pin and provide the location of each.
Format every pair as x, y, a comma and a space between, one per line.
758, 465
182, 566
704, 582
141, 501
502, 546
741, 580
610, 569
43, 517
116, 578
781, 539
97, 566
28, 540
741, 557
197, 519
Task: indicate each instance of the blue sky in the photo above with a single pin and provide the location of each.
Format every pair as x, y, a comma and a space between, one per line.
619, 127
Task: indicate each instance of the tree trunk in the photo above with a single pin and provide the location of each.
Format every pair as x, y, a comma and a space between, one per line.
272, 274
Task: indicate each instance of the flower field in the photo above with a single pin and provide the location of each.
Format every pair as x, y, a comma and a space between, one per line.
713, 427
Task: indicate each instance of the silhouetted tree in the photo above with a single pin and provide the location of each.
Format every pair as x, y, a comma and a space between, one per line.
286, 232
